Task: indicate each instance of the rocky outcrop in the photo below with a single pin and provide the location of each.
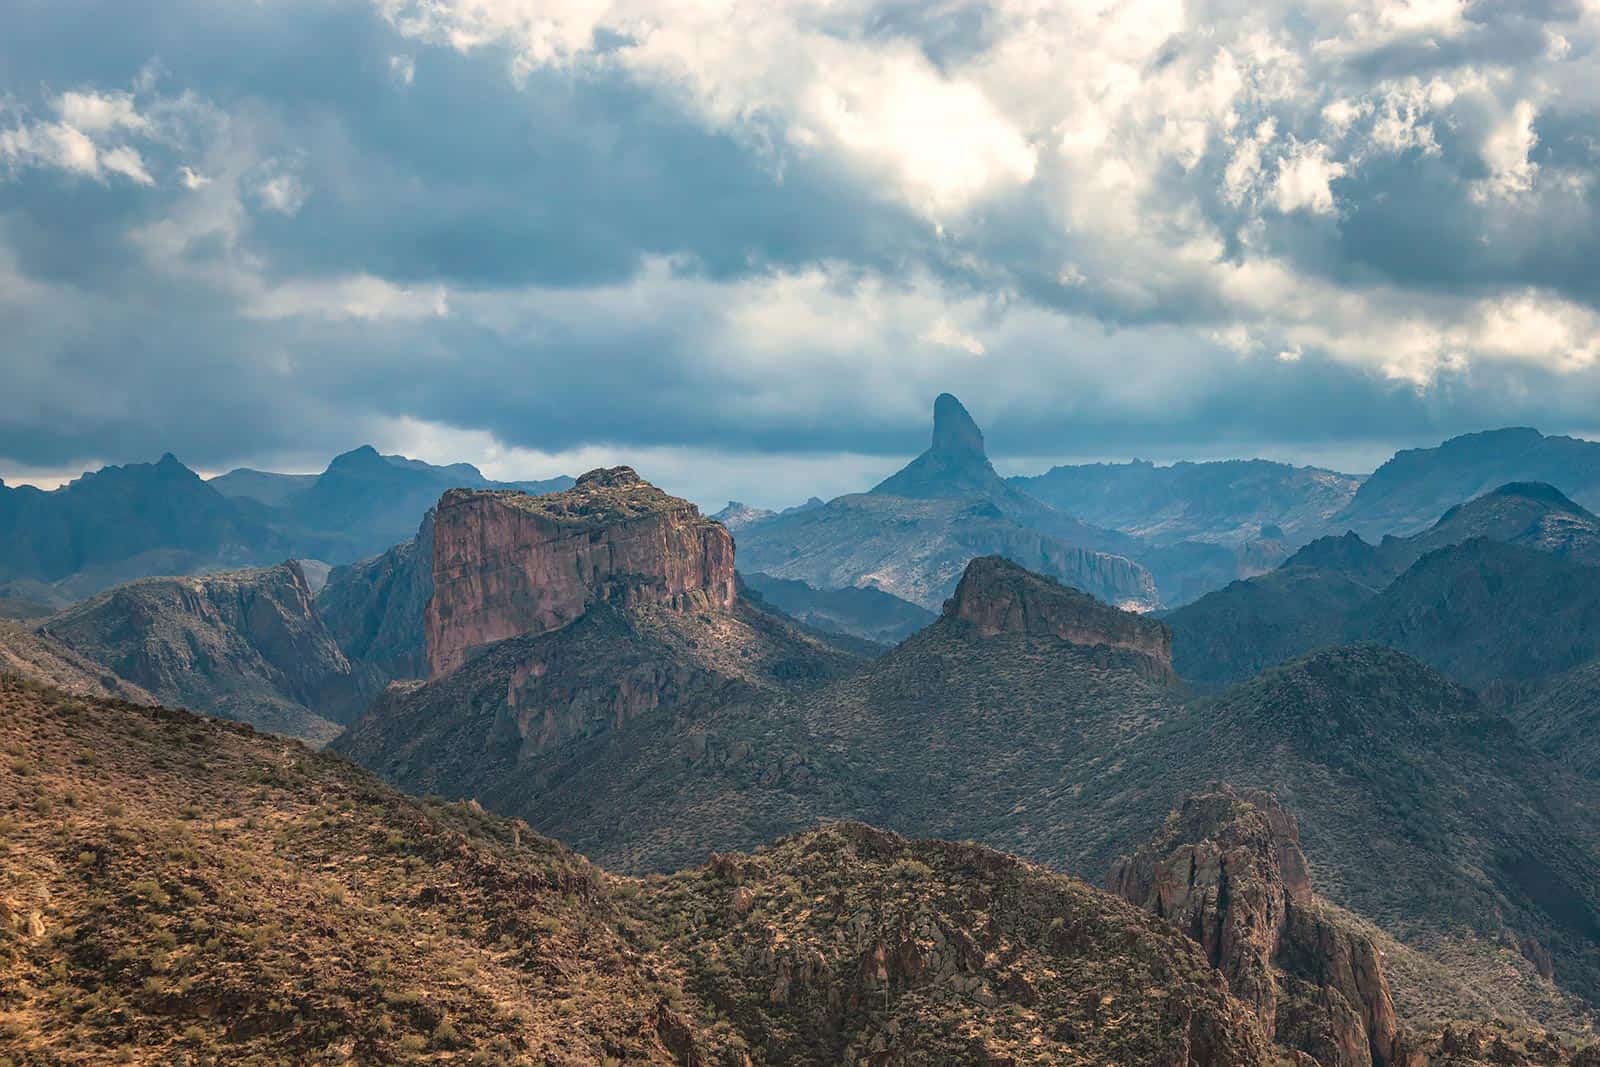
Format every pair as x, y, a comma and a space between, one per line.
374, 609
506, 563
851, 945
1227, 868
997, 596
244, 645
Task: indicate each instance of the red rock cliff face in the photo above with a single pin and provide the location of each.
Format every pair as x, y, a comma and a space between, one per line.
997, 596
505, 563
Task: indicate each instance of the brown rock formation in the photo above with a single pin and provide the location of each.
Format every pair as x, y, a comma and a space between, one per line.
997, 596
1228, 869
506, 563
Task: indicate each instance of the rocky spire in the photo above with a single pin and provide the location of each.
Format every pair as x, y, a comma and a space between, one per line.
954, 465
953, 429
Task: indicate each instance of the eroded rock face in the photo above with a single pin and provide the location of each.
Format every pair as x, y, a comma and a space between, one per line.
997, 596
1227, 868
245, 645
506, 563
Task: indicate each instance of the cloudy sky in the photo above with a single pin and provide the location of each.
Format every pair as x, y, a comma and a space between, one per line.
743, 245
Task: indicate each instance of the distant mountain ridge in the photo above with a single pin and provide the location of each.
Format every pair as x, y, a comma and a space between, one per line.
1226, 501
913, 533
1411, 490
157, 519
1496, 590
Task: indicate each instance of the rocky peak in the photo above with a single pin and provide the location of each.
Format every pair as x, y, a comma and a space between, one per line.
363, 458
955, 464
953, 429
1227, 868
506, 563
996, 596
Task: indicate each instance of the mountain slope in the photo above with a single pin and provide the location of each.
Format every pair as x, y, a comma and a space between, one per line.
1408, 492
1482, 611
1227, 502
860, 611
374, 610
245, 645
1511, 608
1529, 514
29, 654
1561, 718
1233, 633
191, 892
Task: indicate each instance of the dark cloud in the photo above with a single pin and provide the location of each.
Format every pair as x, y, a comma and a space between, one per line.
620, 270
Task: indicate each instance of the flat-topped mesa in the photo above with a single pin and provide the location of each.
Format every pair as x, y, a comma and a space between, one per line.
506, 563
997, 596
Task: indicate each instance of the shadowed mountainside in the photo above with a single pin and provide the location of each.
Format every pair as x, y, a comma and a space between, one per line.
1408, 492
1498, 589
860, 611
246, 645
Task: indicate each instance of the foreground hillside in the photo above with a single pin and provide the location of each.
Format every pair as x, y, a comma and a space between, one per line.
177, 889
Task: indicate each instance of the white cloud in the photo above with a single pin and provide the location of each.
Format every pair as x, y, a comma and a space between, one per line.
283, 193
1303, 179
97, 113
404, 69
362, 297
1505, 152
947, 335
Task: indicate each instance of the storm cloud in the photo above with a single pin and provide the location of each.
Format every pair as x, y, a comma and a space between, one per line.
748, 244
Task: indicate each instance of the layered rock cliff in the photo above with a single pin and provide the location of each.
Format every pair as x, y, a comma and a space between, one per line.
1228, 869
997, 596
507, 564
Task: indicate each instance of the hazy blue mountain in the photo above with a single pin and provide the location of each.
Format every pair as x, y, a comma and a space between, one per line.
1495, 590
1411, 490
1230, 501
914, 533
127, 522
366, 502
859, 611
264, 487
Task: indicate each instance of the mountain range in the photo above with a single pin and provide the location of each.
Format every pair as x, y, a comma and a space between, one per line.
1318, 843
650, 726
1501, 587
162, 519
